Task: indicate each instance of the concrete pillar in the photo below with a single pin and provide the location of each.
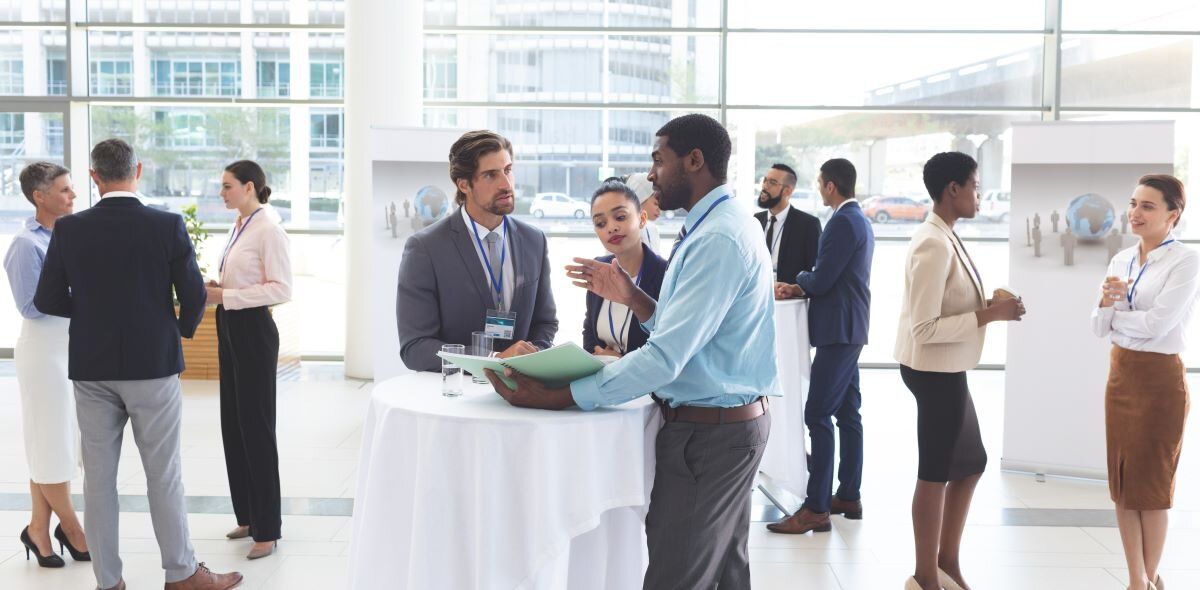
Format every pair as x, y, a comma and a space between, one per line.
876, 170
387, 36
991, 164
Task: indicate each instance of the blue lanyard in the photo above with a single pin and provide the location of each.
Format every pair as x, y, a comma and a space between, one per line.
684, 233
498, 285
1129, 272
628, 313
234, 237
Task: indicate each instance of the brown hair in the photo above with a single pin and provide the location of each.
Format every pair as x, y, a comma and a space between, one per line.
249, 171
38, 176
1171, 189
465, 155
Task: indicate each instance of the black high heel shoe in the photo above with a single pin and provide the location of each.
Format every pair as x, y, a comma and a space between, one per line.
76, 554
50, 561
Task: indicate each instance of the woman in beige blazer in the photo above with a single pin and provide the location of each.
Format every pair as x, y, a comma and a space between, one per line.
940, 337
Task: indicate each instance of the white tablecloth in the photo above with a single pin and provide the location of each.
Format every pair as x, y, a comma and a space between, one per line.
784, 459
471, 493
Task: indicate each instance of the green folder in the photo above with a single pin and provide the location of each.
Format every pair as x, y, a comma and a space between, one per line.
556, 367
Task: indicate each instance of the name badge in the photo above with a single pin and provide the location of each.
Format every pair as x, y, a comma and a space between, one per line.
500, 325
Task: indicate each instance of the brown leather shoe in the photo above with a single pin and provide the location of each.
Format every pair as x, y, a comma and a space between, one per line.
204, 579
803, 521
851, 510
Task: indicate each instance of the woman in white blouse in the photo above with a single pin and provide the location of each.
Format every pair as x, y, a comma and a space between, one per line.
1145, 306
256, 273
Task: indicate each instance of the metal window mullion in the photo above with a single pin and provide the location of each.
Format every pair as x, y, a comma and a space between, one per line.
723, 76
202, 27
1052, 61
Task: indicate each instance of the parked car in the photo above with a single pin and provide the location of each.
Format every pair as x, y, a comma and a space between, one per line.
994, 205
885, 209
558, 205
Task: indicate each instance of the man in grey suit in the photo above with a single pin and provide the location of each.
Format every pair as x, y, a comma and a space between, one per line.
112, 269
478, 269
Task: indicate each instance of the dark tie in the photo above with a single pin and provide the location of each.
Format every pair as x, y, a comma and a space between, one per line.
771, 234
675, 246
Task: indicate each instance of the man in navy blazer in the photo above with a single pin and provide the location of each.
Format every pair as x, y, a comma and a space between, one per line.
839, 311
112, 269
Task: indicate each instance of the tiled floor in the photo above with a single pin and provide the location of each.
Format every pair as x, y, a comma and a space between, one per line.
319, 431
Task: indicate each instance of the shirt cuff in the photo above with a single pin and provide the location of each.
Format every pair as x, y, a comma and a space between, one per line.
586, 392
231, 299
648, 325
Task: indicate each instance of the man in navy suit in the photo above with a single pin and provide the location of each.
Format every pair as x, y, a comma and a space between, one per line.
838, 315
112, 270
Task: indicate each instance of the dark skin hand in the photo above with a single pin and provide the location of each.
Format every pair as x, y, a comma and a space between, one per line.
530, 393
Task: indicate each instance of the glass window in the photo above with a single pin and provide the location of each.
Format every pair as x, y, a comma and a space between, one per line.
619, 13
1129, 71
12, 74
1145, 15
886, 14
56, 76
940, 69
196, 75
326, 129
111, 77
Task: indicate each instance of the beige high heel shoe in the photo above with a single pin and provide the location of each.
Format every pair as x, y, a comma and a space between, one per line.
912, 584
946, 581
1158, 583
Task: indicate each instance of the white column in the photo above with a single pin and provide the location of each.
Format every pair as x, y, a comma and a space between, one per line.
387, 36
249, 71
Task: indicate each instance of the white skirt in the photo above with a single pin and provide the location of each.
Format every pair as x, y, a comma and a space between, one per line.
47, 400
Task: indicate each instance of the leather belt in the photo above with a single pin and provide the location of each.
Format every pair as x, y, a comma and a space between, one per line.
704, 415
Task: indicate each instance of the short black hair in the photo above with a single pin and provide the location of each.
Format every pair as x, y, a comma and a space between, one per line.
842, 174
791, 174
616, 185
947, 167
700, 132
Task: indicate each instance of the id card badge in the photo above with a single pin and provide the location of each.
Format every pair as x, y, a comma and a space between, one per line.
500, 324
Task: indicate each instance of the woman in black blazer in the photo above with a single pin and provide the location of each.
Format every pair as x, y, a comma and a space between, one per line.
610, 328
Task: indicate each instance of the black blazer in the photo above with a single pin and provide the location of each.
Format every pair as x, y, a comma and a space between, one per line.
797, 245
111, 269
653, 269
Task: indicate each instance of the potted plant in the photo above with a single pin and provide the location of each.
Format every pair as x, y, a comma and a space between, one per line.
200, 351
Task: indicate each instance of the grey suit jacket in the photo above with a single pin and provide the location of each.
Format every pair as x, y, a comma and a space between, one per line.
443, 293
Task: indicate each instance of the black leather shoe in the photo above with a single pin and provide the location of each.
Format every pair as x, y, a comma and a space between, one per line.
49, 561
76, 554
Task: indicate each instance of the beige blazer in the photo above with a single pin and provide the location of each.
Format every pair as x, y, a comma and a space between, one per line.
938, 328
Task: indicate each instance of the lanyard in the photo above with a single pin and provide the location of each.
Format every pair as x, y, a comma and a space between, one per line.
684, 233
1129, 273
234, 237
498, 285
628, 313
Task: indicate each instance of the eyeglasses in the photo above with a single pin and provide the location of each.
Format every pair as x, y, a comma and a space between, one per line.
771, 183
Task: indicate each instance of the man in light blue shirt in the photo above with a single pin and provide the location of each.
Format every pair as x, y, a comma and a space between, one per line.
710, 359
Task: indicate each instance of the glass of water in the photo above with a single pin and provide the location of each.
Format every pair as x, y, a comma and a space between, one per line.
452, 376
481, 345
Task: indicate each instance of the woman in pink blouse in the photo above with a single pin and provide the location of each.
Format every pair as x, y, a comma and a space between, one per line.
255, 273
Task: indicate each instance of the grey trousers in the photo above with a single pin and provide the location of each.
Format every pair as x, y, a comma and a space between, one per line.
155, 407
699, 518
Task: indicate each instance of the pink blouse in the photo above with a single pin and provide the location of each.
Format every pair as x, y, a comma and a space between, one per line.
256, 268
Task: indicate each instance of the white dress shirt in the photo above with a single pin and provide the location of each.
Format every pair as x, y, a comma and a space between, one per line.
257, 267
508, 276
651, 238
615, 336
778, 237
1163, 300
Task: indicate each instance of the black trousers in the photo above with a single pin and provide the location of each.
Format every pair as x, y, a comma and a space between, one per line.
698, 525
248, 347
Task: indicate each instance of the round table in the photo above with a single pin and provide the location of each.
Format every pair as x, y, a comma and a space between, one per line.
472, 493
785, 459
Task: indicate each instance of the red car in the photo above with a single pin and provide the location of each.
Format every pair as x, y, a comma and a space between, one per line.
885, 209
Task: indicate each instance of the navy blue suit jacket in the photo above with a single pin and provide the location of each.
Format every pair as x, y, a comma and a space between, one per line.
839, 285
653, 270
112, 269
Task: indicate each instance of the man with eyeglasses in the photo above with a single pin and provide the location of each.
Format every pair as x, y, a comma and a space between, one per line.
791, 234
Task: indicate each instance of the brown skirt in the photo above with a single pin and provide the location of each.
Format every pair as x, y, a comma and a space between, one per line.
1145, 407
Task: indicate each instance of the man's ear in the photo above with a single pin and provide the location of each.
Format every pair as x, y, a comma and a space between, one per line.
694, 161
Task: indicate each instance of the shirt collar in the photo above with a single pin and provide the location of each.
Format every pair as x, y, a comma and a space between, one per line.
32, 224
119, 194
704, 204
844, 203
782, 216
483, 231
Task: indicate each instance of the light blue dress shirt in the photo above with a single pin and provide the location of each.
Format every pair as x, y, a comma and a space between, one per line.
23, 263
712, 335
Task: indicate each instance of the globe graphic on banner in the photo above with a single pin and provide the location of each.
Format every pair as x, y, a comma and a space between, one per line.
431, 204
1090, 216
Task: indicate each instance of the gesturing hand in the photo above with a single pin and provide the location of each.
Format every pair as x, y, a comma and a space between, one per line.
608, 280
787, 291
530, 393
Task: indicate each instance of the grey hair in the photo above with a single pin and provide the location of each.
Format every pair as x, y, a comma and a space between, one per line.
38, 176
114, 160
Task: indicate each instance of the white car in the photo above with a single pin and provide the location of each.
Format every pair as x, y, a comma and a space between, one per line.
558, 205
994, 205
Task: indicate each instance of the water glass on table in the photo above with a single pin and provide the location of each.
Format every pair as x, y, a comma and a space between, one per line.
452, 375
481, 345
